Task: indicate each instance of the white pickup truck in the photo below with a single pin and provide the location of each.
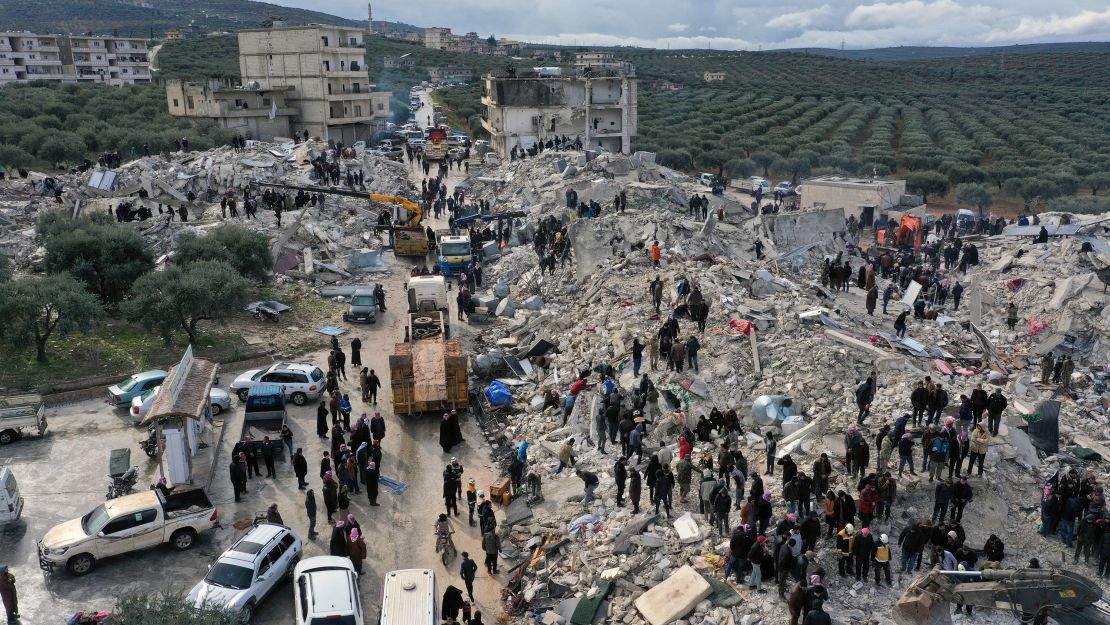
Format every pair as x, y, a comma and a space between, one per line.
127, 524
18, 413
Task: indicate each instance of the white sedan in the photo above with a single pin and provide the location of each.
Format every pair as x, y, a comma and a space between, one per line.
218, 398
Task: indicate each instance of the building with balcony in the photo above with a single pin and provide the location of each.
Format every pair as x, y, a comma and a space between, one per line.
437, 38
530, 107
111, 60
325, 66
714, 76
261, 114
398, 62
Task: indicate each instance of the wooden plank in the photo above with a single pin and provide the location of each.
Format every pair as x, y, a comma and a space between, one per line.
428, 371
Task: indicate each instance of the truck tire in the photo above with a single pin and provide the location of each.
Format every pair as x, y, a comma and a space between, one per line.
183, 539
242, 393
299, 398
8, 436
80, 564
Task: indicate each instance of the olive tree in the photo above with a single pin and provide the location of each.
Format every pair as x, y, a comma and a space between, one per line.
926, 183
975, 194
180, 297
34, 308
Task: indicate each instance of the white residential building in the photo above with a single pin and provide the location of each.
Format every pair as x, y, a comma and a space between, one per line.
527, 108
111, 60
325, 65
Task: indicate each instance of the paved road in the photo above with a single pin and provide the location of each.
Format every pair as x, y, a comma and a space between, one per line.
62, 477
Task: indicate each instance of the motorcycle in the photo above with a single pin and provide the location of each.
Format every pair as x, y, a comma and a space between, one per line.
120, 485
149, 445
445, 547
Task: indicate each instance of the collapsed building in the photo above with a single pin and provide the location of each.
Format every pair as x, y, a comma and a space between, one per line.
774, 332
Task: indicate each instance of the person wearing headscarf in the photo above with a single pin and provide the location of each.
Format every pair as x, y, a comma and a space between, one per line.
356, 549
372, 482
339, 546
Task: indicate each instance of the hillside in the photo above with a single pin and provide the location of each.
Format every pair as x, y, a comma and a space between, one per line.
152, 17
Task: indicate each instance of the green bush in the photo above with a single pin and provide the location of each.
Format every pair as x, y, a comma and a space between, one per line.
107, 258
237, 246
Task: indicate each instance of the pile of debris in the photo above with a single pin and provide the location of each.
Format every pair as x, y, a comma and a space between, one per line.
329, 243
774, 332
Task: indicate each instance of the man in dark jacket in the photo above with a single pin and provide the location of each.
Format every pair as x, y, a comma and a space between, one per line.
862, 549
937, 403
238, 479
919, 399
941, 498
310, 511
300, 468
979, 402
912, 541
467, 571
620, 476
817, 616
961, 496
865, 394
996, 404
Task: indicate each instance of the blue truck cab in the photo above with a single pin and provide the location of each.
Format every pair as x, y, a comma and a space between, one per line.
454, 254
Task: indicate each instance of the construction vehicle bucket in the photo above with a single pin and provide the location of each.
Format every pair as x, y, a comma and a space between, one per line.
917, 607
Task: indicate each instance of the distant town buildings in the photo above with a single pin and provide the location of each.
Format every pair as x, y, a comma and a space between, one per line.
70, 58
324, 66
450, 74
173, 35
254, 113
714, 76
535, 106
398, 62
441, 38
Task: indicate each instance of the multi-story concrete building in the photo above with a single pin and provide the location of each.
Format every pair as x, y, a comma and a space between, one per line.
450, 74
714, 76
437, 38
325, 67
398, 62
113, 60
528, 107
253, 113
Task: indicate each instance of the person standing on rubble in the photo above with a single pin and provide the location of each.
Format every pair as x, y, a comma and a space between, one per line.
1066, 369
655, 289
770, 445
872, 300
1048, 364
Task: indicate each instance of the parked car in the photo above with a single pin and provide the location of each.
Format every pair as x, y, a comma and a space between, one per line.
249, 571
126, 524
785, 188
706, 179
218, 399
299, 381
121, 394
325, 592
11, 502
418, 144
363, 307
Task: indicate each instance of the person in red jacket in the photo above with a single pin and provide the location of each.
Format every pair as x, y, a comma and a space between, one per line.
656, 254
868, 500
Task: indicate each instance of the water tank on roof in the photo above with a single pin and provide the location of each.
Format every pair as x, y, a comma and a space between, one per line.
254, 85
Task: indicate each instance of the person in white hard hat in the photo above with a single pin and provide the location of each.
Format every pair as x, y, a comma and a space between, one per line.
881, 558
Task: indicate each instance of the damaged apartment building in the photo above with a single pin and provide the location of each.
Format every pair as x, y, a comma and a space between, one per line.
294, 78
539, 104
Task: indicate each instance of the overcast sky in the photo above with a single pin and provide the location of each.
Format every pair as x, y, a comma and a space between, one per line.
750, 25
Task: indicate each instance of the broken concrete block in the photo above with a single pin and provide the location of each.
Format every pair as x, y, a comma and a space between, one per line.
648, 540
688, 529
560, 165
533, 303
569, 172
490, 249
505, 308
674, 597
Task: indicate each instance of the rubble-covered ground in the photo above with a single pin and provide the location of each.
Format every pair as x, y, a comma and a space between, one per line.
809, 344
813, 346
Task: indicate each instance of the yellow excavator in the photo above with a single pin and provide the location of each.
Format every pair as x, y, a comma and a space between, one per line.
402, 220
1032, 595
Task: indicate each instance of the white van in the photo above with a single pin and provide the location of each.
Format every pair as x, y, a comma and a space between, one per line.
409, 598
11, 502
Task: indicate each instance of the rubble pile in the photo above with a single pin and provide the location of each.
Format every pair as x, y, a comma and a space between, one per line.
774, 331
339, 234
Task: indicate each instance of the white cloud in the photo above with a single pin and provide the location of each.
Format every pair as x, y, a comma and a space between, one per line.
708, 29
800, 20
605, 39
926, 16
1084, 23
678, 27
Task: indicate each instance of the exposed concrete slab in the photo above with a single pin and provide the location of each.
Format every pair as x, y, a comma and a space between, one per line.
674, 597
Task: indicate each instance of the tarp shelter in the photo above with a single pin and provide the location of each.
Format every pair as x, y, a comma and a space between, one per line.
181, 411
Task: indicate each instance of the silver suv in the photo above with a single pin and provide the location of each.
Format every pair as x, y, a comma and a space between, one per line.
249, 571
299, 382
